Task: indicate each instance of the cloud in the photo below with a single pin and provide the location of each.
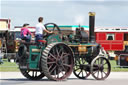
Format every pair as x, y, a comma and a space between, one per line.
80, 19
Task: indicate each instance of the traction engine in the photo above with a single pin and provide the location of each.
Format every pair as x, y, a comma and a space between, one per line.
59, 56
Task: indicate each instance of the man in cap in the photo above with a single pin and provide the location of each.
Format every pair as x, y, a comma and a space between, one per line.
25, 33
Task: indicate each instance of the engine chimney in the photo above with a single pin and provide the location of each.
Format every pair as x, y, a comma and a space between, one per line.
91, 27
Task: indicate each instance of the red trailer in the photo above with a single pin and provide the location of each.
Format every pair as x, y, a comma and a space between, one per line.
115, 41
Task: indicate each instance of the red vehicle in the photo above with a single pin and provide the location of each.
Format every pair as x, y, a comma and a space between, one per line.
115, 41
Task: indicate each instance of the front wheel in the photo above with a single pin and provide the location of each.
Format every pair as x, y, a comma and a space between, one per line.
100, 68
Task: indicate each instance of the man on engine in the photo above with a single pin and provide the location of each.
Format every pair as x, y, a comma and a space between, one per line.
39, 31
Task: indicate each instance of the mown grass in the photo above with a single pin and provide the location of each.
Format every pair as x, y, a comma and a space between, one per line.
116, 68
12, 67
8, 67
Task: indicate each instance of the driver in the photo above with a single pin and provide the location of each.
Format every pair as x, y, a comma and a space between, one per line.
39, 31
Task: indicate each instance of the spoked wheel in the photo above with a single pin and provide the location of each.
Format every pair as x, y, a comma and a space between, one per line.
81, 68
57, 61
100, 68
32, 75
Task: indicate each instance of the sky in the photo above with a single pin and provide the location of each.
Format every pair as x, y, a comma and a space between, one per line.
109, 13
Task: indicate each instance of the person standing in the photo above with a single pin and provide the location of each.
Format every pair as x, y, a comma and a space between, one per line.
25, 33
40, 28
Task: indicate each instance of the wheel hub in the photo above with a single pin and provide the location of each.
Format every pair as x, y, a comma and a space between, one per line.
81, 66
101, 68
59, 62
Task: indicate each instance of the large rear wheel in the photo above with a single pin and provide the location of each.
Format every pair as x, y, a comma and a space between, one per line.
57, 61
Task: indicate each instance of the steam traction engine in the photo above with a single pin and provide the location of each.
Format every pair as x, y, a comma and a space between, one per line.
59, 55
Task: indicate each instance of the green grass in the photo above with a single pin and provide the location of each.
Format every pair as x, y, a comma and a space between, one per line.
12, 67
116, 68
8, 67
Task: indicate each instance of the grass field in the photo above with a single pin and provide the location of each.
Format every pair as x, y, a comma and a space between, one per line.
115, 68
10, 67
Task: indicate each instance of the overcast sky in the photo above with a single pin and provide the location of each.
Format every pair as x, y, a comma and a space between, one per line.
109, 13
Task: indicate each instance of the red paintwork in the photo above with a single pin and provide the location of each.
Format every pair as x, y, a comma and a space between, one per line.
43, 41
100, 36
113, 45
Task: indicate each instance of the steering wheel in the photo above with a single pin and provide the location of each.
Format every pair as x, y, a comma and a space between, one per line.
53, 27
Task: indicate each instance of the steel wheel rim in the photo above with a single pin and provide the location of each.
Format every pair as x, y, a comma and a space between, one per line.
54, 67
61, 66
103, 66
